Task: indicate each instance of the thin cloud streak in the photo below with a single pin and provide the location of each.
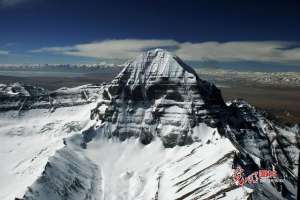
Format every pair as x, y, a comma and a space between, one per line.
3, 52
266, 51
258, 51
109, 49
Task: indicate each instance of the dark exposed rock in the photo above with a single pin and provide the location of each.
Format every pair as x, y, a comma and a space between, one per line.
20, 97
157, 95
153, 87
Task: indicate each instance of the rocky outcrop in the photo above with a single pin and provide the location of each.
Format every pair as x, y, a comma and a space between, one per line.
158, 95
161, 102
20, 97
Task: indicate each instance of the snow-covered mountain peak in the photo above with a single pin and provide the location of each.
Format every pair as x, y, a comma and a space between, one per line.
160, 64
157, 131
157, 73
158, 95
155, 66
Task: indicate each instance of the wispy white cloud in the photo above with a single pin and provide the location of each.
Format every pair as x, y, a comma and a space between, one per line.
268, 51
109, 49
4, 52
260, 51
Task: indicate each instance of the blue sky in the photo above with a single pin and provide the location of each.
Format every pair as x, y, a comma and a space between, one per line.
88, 31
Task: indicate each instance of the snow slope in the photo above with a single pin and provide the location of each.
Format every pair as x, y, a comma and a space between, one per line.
156, 132
28, 139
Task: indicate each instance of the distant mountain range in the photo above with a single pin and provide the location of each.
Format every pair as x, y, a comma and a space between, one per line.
282, 79
58, 67
288, 79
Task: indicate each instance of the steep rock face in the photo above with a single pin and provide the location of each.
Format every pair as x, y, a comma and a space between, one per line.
268, 145
156, 72
161, 102
158, 93
78, 178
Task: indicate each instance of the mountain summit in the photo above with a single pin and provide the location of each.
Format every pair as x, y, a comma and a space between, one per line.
157, 131
153, 72
158, 95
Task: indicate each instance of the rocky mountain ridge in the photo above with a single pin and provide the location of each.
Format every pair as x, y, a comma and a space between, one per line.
157, 131
21, 97
157, 95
